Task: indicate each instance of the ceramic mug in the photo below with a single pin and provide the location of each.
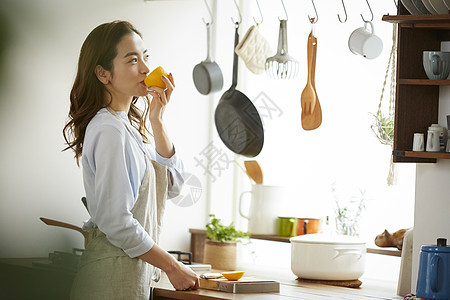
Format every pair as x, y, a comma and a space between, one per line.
267, 203
287, 226
433, 141
447, 148
307, 226
364, 42
436, 64
418, 142
436, 133
290, 226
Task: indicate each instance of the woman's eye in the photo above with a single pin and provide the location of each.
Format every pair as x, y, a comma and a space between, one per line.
133, 60
146, 57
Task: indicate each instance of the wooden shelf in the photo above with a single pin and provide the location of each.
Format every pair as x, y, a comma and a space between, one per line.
384, 251
423, 82
267, 237
417, 154
416, 18
417, 97
198, 237
430, 21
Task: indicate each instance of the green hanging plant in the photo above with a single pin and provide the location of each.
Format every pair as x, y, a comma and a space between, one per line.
383, 127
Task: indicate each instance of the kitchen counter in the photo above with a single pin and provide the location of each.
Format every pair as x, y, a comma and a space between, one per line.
20, 278
290, 288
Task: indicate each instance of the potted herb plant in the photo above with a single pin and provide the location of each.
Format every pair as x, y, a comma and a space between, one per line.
220, 245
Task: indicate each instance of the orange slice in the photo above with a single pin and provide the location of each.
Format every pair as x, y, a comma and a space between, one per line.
233, 276
154, 78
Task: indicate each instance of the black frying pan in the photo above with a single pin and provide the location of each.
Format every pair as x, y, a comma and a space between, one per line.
237, 120
207, 74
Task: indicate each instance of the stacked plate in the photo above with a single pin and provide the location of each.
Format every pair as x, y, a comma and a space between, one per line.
427, 7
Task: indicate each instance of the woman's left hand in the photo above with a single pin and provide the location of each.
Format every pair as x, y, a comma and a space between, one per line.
160, 98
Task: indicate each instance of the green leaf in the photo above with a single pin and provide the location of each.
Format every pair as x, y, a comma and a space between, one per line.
218, 232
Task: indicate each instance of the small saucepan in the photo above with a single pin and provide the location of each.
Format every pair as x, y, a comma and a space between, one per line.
207, 75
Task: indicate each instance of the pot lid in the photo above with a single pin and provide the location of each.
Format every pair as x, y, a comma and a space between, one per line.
326, 239
441, 246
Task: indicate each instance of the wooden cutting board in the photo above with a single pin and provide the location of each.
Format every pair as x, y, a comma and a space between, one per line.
243, 285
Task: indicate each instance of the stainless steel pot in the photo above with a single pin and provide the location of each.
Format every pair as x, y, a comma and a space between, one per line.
327, 257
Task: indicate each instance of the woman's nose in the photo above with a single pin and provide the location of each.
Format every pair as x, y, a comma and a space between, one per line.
144, 68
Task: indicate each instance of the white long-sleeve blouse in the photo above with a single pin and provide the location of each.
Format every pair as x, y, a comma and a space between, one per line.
113, 165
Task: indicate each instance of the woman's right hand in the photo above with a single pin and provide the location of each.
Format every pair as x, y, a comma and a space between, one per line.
183, 278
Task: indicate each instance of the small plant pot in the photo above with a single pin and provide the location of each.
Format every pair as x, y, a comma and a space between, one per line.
220, 255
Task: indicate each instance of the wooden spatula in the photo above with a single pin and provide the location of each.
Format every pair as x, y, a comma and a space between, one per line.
254, 171
66, 225
311, 110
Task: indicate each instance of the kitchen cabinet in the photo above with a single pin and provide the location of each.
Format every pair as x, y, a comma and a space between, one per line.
417, 97
21, 279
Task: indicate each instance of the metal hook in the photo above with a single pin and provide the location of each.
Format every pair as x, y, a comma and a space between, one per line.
240, 16
316, 18
260, 14
345, 11
370, 12
210, 15
285, 12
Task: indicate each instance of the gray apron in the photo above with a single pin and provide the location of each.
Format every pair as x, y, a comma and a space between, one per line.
106, 271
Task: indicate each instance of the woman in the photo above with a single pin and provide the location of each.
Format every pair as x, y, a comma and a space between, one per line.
126, 182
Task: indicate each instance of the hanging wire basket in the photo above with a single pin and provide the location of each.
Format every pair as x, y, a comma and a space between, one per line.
383, 128
383, 125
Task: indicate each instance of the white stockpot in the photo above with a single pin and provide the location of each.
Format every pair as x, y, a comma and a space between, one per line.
327, 257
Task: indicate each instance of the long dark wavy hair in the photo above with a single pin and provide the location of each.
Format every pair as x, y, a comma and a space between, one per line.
88, 94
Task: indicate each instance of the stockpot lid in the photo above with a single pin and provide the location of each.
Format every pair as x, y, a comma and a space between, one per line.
326, 239
440, 247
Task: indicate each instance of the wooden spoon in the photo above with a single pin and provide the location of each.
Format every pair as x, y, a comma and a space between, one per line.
254, 171
311, 110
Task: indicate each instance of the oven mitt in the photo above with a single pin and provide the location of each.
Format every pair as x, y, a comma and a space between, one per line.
254, 49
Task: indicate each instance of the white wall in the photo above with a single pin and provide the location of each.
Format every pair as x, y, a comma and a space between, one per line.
343, 149
432, 204
431, 219
38, 69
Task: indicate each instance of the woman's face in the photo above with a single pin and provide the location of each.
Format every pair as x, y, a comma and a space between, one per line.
129, 69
